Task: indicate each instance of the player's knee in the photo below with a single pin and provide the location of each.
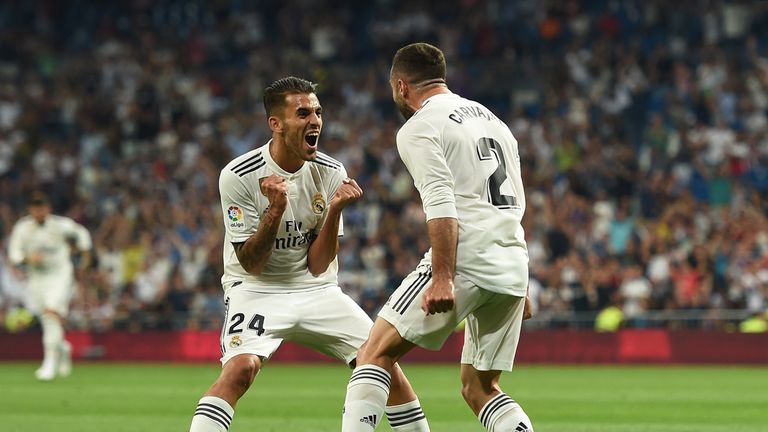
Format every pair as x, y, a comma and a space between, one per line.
50, 314
376, 357
363, 354
467, 391
475, 390
241, 371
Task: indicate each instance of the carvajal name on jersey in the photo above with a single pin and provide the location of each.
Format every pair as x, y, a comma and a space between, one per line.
468, 112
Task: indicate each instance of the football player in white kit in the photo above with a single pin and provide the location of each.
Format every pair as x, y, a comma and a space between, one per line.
40, 245
465, 164
282, 206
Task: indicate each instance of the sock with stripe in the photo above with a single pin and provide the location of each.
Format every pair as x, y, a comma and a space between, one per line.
212, 415
503, 414
367, 395
407, 417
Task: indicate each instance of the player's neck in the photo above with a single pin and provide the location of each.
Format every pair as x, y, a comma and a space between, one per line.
428, 92
283, 158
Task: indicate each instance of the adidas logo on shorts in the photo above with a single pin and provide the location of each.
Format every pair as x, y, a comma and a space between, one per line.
369, 420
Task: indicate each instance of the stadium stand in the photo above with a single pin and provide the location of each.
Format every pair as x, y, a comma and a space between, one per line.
642, 129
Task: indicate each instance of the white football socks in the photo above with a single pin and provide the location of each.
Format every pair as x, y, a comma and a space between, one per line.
407, 417
53, 337
213, 414
367, 395
503, 414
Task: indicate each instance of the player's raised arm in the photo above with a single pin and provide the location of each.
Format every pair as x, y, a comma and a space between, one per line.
325, 247
254, 252
253, 235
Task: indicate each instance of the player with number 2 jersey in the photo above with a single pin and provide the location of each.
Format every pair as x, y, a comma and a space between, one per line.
465, 164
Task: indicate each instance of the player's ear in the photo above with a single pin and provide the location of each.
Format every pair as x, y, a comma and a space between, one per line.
402, 88
275, 124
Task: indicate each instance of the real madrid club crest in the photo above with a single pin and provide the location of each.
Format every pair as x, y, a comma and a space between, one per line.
235, 342
318, 203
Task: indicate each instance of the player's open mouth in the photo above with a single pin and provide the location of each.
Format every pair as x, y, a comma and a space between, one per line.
311, 139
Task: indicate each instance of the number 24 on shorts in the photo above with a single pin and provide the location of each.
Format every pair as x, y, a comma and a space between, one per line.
256, 323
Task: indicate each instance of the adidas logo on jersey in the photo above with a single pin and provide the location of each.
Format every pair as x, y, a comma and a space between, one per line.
369, 420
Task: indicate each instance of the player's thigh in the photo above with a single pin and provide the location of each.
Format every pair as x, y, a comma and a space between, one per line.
492, 332
403, 309
52, 292
331, 323
255, 323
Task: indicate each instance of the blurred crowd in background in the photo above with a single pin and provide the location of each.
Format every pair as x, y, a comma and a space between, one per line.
642, 127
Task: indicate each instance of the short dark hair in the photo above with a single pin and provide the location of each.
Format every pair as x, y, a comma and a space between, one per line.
38, 198
420, 63
274, 94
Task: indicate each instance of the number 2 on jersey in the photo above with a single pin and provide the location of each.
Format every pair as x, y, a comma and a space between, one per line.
256, 323
489, 149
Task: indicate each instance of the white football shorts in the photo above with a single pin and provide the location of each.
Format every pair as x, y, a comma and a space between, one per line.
491, 332
325, 320
51, 291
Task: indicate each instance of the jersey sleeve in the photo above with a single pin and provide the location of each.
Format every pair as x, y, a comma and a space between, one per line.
15, 250
421, 152
238, 205
79, 233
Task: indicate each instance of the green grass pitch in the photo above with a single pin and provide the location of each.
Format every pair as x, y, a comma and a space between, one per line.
161, 397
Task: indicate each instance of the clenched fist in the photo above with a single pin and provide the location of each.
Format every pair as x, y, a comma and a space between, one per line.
438, 298
348, 192
527, 309
275, 188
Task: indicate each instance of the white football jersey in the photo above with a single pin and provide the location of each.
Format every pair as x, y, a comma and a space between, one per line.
465, 164
51, 239
309, 192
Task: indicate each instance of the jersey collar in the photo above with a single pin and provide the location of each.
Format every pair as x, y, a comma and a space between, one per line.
276, 168
435, 97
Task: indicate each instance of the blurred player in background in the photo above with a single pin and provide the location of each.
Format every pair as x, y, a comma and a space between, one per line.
41, 246
282, 206
464, 161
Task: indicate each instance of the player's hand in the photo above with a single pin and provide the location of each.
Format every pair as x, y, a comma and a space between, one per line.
18, 273
275, 188
35, 259
527, 309
348, 192
438, 298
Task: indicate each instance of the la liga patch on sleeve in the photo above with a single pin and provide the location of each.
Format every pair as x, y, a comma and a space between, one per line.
235, 216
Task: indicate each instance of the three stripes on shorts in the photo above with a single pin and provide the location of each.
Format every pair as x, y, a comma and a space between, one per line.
410, 293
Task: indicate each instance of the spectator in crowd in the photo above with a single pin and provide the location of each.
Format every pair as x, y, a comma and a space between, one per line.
642, 130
